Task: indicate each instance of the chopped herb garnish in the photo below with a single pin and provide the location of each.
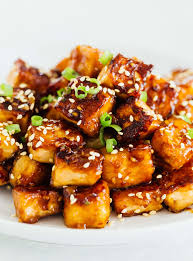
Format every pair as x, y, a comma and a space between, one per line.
6, 90
13, 128
48, 99
110, 143
69, 73
106, 119
81, 92
36, 120
106, 57
190, 133
143, 96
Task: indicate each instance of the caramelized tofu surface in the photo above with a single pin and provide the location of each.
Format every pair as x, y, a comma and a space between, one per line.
45, 139
19, 108
4, 175
84, 60
137, 120
172, 143
23, 75
178, 188
31, 204
8, 144
161, 95
28, 172
128, 167
87, 207
137, 200
86, 112
82, 167
126, 75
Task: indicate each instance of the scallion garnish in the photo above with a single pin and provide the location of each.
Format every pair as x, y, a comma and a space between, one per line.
69, 73
106, 119
6, 90
36, 120
93, 90
83, 91
106, 57
93, 80
116, 127
13, 128
190, 133
110, 143
62, 91
48, 98
184, 118
143, 96
101, 136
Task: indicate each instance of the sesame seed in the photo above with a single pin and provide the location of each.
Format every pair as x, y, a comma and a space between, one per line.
30, 156
6, 143
120, 133
137, 86
130, 145
159, 176
70, 111
145, 214
86, 165
11, 176
23, 153
31, 137
131, 194
45, 106
133, 159
121, 149
71, 100
131, 118
114, 151
127, 73
44, 131
104, 89
78, 138
153, 212
120, 175
82, 78
124, 210
184, 103
91, 158
42, 139
79, 122
19, 116
182, 146
72, 199
12, 141
148, 196
121, 84
139, 195
155, 98
67, 132
10, 108
38, 144
163, 196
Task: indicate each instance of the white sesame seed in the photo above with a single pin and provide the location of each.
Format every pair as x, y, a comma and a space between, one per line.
131, 118
86, 165
71, 100
104, 89
163, 196
153, 212
121, 149
159, 176
120, 175
184, 103
23, 153
6, 143
38, 144
148, 196
10, 108
72, 199
182, 146
67, 132
145, 214
70, 111
127, 73
155, 98
19, 116
139, 195
131, 194
12, 141
130, 145
114, 151
120, 133
121, 84
79, 122
44, 131
11, 176
137, 86
124, 210
91, 157
78, 138
42, 139
31, 137
30, 156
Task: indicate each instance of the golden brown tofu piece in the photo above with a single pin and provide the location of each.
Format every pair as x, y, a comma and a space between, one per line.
45, 139
18, 108
87, 207
24, 75
177, 187
128, 167
125, 75
28, 172
85, 112
4, 175
137, 120
84, 60
137, 200
82, 167
8, 144
161, 95
172, 143
33, 203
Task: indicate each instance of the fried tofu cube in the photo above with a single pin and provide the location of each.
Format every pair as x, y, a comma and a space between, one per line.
4, 175
45, 139
85, 112
137, 120
84, 60
19, 108
87, 207
33, 203
82, 167
125, 75
137, 200
24, 75
28, 172
128, 167
161, 95
8, 144
178, 188
172, 143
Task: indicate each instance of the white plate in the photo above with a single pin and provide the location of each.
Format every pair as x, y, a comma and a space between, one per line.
128, 230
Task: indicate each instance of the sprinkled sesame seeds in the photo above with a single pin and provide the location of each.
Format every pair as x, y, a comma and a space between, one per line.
121, 84
31, 137
139, 195
71, 100
159, 176
42, 139
121, 149
114, 151
72, 199
30, 156
131, 118
153, 212
19, 117
23, 153
38, 144
44, 131
10, 108
79, 122
70, 111
86, 165
120, 175
131, 194
67, 132
182, 146
163, 196
78, 138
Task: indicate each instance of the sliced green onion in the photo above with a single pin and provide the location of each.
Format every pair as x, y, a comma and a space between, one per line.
6, 90
93, 90
23, 139
48, 98
106, 57
110, 143
69, 73
190, 133
36, 120
143, 96
13, 128
116, 127
101, 136
81, 95
93, 80
62, 91
86, 202
106, 119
